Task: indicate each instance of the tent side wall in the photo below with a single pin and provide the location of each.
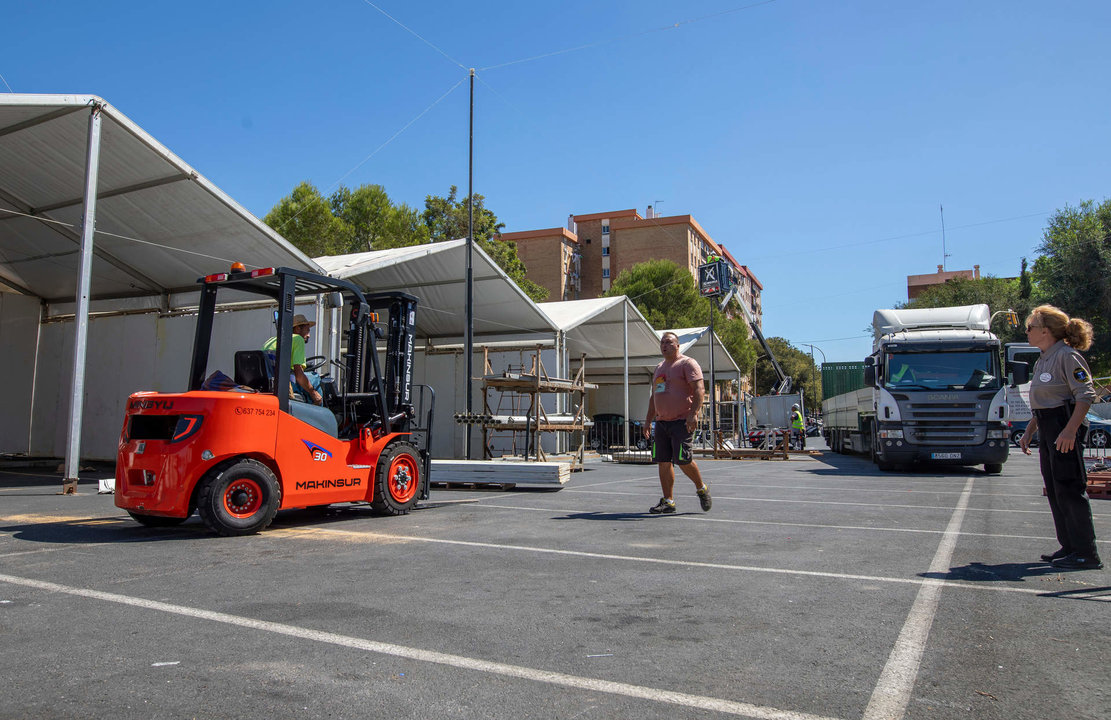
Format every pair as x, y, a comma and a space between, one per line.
126, 354
19, 329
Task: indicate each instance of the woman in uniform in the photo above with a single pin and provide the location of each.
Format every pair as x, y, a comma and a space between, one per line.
1060, 394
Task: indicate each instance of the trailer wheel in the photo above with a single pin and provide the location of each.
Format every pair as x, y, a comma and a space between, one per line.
155, 520
239, 499
993, 468
397, 479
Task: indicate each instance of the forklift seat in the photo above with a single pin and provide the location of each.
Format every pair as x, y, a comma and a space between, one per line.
253, 370
319, 417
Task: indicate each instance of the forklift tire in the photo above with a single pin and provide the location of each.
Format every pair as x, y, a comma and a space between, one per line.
239, 498
155, 520
397, 479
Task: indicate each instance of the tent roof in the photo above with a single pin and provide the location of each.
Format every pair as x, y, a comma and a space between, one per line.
159, 224
435, 273
594, 327
695, 343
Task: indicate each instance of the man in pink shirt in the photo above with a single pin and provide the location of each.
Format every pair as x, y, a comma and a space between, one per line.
677, 395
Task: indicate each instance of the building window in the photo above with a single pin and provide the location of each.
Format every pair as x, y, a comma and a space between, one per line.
605, 228
605, 250
605, 272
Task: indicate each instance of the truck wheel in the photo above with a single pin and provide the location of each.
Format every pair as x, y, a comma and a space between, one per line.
397, 479
993, 468
240, 498
155, 520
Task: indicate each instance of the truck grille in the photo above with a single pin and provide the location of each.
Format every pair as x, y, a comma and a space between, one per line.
945, 423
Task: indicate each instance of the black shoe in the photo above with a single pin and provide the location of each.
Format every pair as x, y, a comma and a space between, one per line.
663, 507
1056, 556
704, 498
1076, 561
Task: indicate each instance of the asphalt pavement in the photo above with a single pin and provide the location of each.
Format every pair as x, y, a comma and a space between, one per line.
814, 588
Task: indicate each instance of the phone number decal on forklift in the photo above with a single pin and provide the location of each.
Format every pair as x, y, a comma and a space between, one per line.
265, 412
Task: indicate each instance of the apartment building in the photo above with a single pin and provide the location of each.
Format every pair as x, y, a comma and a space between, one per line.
581, 260
917, 283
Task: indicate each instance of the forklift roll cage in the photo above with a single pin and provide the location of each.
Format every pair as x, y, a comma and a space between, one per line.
392, 394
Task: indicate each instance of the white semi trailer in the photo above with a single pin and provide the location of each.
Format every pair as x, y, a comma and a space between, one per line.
933, 391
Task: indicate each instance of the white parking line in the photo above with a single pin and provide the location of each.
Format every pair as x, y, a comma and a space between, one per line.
824, 502
892, 693
700, 702
704, 518
685, 563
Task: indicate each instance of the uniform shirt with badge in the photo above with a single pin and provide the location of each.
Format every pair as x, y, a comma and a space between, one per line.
1060, 376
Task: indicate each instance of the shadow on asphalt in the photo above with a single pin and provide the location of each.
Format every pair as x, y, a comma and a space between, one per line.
91, 531
1003, 572
618, 517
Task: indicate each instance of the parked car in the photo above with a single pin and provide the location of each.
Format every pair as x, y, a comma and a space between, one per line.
1099, 431
608, 431
1017, 428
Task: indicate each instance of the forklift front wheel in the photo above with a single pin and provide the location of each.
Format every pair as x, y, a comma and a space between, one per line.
397, 479
239, 499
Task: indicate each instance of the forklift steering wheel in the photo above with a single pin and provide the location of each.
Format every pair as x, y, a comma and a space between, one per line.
314, 363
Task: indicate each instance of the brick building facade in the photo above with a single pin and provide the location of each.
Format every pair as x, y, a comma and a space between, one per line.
581, 260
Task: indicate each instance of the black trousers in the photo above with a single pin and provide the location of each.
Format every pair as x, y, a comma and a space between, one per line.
1065, 483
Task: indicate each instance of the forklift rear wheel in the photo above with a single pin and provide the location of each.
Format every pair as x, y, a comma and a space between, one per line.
397, 479
240, 498
155, 520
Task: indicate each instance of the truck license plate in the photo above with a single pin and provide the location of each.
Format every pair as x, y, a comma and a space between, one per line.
945, 456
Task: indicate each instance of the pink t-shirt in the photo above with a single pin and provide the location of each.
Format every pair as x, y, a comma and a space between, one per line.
673, 387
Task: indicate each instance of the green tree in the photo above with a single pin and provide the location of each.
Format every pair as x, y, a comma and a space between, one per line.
798, 365
667, 297
376, 223
305, 218
446, 218
1073, 270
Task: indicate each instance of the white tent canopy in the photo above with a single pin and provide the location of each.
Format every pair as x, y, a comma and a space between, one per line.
598, 328
434, 273
159, 224
93, 208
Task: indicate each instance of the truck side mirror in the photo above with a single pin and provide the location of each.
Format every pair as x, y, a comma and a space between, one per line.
870, 375
1019, 372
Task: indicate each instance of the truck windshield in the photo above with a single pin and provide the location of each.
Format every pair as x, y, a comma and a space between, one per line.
942, 371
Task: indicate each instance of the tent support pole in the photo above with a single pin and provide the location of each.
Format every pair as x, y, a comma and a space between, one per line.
625, 358
469, 342
81, 319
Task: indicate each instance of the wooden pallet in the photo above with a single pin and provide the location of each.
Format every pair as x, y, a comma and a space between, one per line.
1099, 485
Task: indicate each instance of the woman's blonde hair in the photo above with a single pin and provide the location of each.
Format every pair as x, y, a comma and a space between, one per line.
1074, 331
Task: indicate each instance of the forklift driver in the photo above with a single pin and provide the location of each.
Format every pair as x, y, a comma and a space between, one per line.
308, 384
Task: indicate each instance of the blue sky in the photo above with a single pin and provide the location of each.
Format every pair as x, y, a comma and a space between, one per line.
816, 140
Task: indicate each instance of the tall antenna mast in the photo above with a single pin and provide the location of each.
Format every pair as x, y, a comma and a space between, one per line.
944, 254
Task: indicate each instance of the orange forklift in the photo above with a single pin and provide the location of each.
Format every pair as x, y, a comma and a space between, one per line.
238, 451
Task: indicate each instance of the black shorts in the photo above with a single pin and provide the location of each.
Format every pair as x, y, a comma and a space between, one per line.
671, 443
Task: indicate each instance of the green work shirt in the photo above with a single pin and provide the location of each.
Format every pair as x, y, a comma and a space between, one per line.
297, 353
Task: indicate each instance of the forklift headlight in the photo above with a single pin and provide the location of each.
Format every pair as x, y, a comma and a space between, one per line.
187, 425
